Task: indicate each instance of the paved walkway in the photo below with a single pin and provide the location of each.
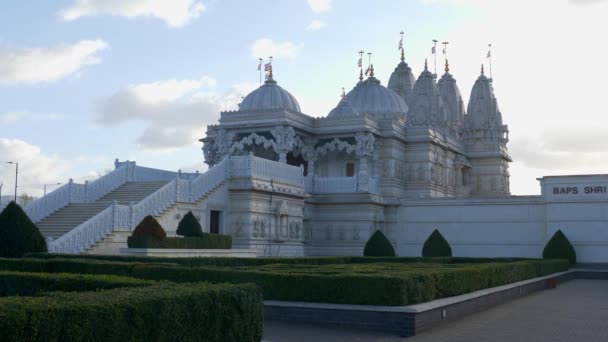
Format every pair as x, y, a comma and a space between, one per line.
576, 311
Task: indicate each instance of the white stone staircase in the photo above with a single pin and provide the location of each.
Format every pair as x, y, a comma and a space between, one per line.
71, 216
82, 216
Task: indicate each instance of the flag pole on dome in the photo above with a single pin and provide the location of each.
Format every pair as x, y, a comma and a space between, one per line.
489, 57
260, 69
445, 51
360, 64
434, 52
268, 68
369, 64
401, 47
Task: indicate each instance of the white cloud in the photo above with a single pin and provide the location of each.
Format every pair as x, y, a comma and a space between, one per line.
15, 116
315, 25
35, 168
267, 47
175, 13
548, 79
175, 111
319, 6
35, 65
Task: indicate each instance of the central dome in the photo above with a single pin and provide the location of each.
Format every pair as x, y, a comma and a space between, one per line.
369, 97
269, 96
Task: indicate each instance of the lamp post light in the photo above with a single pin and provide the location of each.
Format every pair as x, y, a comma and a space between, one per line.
45, 185
16, 176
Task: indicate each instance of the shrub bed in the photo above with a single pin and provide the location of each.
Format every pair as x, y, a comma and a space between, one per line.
355, 283
205, 241
158, 312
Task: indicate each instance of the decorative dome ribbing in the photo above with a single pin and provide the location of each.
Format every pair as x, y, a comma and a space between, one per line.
269, 96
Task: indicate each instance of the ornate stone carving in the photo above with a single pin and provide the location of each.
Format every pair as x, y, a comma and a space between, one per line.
334, 145
284, 137
365, 144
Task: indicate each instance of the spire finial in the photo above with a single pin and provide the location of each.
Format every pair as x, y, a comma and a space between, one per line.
343, 93
360, 64
447, 66
482, 70
426, 66
270, 71
401, 47
371, 70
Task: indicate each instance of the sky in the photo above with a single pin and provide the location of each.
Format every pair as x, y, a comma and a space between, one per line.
83, 82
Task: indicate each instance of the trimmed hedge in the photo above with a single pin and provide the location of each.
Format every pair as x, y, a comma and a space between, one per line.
205, 241
18, 234
559, 247
360, 283
30, 284
159, 312
189, 226
150, 228
233, 261
378, 246
436, 246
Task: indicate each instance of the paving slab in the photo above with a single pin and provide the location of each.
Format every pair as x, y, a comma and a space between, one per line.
576, 311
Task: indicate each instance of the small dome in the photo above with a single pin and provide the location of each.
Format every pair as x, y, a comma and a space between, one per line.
482, 111
427, 107
452, 100
269, 96
369, 97
343, 110
402, 82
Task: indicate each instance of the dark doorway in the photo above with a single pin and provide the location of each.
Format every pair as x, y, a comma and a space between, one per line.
214, 222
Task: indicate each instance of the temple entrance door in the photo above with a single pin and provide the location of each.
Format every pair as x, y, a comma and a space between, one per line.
214, 222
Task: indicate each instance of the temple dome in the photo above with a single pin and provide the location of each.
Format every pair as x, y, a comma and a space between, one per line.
402, 81
482, 111
369, 97
269, 96
452, 100
427, 107
343, 110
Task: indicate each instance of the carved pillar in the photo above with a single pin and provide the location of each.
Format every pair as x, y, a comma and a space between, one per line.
284, 137
364, 150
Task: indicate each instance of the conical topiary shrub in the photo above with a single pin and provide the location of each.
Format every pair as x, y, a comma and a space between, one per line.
559, 247
436, 246
18, 234
378, 246
189, 226
150, 228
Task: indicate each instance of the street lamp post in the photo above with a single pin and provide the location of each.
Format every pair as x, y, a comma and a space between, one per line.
45, 185
16, 176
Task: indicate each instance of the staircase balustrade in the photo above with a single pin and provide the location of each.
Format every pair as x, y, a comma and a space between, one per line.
124, 217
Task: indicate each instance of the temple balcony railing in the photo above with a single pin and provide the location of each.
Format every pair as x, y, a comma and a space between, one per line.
251, 166
328, 185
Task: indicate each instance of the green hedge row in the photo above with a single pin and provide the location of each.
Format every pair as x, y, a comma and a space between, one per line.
231, 261
159, 312
31, 284
206, 241
368, 287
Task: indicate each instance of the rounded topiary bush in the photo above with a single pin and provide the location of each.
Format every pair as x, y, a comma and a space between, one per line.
436, 246
559, 247
378, 246
189, 226
18, 234
150, 228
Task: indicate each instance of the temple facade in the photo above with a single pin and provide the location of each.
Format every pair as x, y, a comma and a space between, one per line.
405, 159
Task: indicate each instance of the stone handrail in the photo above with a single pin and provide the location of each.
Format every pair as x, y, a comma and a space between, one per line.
90, 192
77, 193
325, 185
251, 166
